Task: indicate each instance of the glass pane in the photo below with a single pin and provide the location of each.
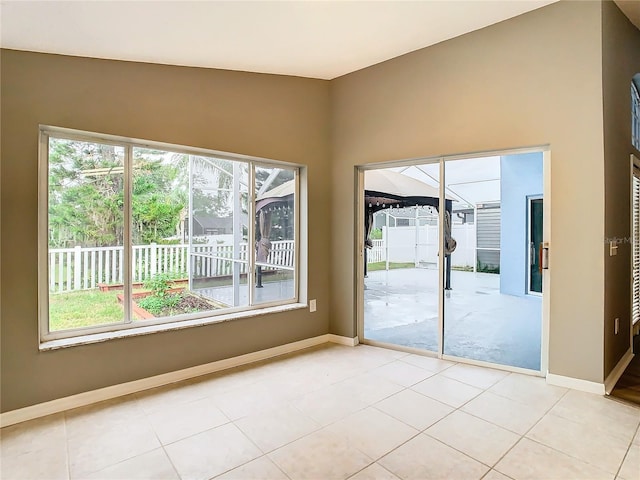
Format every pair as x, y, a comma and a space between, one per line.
401, 276
86, 229
491, 311
213, 279
275, 234
218, 223
183, 231
159, 205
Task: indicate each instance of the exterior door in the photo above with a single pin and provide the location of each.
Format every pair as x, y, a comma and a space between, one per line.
535, 244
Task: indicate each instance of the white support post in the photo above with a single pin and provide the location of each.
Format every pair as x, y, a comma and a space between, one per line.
475, 250
77, 265
417, 252
385, 236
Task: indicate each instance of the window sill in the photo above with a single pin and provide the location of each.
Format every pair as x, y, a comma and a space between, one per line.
164, 327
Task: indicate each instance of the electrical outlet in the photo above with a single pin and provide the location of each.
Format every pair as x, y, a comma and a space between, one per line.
312, 305
616, 326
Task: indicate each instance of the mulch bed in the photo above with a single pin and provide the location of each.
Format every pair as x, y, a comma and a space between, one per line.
188, 304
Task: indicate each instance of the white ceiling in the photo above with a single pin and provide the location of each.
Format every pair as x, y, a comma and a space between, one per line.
319, 39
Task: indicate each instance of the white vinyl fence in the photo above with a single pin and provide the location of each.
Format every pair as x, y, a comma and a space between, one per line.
378, 253
84, 268
405, 245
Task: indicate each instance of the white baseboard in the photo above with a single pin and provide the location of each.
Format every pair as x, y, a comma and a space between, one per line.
86, 398
617, 371
348, 341
575, 384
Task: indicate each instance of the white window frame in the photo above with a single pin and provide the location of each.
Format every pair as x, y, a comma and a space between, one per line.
99, 333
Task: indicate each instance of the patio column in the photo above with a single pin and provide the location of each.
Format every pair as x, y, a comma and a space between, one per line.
385, 236
417, 247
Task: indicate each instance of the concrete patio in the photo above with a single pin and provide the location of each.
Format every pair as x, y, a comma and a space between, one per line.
401, 307
271, 291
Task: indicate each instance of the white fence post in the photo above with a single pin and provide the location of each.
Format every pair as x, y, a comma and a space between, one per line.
77, 266
154, 258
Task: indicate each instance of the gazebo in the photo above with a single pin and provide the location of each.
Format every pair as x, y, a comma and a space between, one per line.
383, 189
277, 199
388, 189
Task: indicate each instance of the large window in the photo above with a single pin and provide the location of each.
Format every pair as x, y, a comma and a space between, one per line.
138, 234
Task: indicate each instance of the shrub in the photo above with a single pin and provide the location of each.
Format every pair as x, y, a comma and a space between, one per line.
155, 304
159, 284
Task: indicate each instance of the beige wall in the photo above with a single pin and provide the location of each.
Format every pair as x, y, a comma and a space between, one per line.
620, 61
278, 117
532, 80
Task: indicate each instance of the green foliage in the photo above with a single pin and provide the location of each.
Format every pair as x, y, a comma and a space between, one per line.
155, 304
159, 284
160, 298
487, 268
371, 267
462, 268
86, 194
376, 234
169, 241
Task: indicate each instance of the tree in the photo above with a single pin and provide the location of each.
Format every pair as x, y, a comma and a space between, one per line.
86, 194
159, 196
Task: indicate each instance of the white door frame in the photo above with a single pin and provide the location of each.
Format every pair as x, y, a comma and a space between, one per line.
359, 254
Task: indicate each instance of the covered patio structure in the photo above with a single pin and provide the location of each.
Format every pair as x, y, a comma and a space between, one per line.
389, 189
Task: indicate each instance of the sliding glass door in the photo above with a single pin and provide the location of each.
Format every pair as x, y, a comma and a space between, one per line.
452, 262
401, 286
491, 313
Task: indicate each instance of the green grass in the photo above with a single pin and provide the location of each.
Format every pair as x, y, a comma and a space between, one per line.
86, 308
462, 268
372, 267
90, 308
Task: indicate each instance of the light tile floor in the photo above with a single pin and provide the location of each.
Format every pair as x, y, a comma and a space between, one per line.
336, 412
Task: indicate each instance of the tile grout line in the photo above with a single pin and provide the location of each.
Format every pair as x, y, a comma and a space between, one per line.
423, 431
162, 446
524, 435
628, 450
66, 441
548, 412
363, 371
455, 409
364, 468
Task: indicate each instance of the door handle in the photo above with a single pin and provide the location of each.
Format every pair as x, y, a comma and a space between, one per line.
544, 256
532, 254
